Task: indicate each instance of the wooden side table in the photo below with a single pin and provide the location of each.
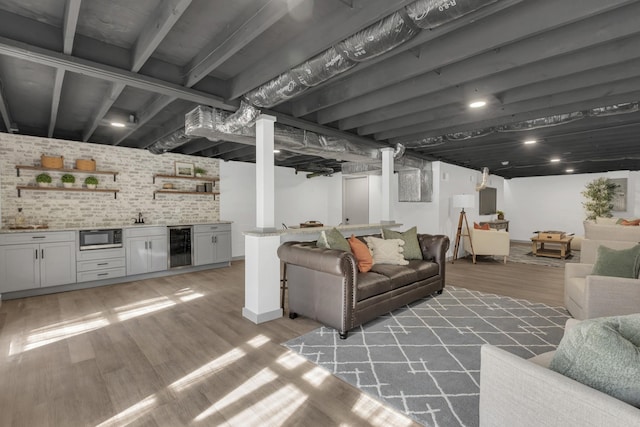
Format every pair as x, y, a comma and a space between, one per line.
498, 224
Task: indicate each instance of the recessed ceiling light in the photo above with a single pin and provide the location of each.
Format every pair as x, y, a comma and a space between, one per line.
117, 124
530, 141
478, 104
276, 151
505, 162
569, 170
555, 160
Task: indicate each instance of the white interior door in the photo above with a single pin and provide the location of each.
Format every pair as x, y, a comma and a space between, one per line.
355, 200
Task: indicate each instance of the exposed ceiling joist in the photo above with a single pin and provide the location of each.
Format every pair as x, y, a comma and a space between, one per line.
150, 111
217, 52
152, 34
482, 36
313, 41
4, 112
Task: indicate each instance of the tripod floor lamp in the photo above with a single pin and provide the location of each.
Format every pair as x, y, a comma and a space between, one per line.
463, 201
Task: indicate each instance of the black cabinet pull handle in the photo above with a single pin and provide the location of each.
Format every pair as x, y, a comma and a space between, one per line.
42, 253
103, 274
38, 237
36, 254
103, 263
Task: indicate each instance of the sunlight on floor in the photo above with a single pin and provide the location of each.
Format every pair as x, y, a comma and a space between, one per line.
207, 370
64, 330
377, 414
316, 376
288, 399
132, 413
291, 360
260, 379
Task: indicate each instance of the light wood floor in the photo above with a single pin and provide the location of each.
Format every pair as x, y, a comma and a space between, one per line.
176, 351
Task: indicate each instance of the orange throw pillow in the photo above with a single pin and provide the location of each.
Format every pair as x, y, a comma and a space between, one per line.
362, 254
481, 227
630, 222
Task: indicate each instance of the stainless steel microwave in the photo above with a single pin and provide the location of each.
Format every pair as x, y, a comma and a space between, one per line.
100, 239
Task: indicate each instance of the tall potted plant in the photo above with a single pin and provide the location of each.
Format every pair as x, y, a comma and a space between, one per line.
599, 194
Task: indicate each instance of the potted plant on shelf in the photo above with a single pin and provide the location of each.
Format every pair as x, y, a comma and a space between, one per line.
91, 182
199, 172
599, 194
43, 180
67, 180
500, 215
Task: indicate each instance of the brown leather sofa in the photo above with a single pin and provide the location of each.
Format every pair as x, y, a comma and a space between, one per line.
325, 284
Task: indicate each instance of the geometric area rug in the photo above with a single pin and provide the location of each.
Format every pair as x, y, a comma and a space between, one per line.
424, 358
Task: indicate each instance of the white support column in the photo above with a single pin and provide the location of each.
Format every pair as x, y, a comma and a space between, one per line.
265, 170
262, 265
387, 179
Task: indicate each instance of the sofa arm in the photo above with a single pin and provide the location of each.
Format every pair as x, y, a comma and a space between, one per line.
305, 254
577, 270
611, 296
434, 248
516, 392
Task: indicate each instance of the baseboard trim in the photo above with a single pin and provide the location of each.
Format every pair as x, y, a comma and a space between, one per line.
262, 317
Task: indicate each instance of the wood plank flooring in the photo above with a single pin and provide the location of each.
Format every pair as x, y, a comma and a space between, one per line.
176, 351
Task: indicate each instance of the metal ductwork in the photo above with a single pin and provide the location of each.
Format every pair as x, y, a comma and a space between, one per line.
525, 125
485, 179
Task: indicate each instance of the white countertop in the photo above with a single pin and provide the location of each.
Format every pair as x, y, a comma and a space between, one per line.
100, 227
316, 230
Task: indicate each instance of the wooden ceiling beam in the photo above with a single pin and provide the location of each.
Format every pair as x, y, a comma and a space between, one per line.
491, 33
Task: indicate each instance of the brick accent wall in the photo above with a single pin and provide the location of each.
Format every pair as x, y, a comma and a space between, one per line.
60, 209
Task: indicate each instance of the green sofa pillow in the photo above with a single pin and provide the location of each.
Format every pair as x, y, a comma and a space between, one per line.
333, 239
410, 238
603, 353
617, 263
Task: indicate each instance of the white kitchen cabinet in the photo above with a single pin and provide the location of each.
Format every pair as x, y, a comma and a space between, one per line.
101, 264
25, 264
212, 243
146, 249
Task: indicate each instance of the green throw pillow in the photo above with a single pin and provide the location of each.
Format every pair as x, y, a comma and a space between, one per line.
322, 241
603, 353
335, 240
617, 263
410, 238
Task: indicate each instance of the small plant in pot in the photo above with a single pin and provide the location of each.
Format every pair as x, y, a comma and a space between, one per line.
43, 180
67, 180
91, 182
500, 215
199, 172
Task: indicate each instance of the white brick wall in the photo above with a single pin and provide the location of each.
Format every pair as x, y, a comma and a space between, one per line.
135, 169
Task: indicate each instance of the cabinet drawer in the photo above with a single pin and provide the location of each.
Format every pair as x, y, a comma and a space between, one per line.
37, 237
87, 276
206, 228
100, 264
145, 231
100, 254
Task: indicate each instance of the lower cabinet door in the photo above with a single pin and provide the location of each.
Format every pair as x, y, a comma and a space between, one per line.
137, 255
204, 250
19, 267
57, 263
223, 247
157, 253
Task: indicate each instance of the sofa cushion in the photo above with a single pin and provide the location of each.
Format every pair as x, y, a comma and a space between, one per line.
603, 353
410, 237
334, 240
386, 251
617, 263
371, 284
362, 253
399, 275
424, 269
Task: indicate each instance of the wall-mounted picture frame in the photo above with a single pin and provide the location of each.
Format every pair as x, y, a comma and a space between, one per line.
184, 169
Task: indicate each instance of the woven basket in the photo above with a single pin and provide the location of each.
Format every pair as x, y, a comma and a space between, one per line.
52, 162
85, 165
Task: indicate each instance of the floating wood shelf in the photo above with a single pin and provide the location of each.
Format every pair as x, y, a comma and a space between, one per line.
201, 193
193, 178
86, 190
40, 168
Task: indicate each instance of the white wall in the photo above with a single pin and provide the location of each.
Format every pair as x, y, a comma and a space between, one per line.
297, 199
555, 202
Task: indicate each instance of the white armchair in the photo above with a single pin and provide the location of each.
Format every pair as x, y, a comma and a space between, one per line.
487, 242
587, 296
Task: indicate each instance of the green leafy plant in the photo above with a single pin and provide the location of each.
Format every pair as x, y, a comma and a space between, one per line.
91, 180
500, 214
67, 177
199, 171
44, 178
599, 194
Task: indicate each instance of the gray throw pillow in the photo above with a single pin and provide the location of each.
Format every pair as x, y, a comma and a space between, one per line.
603, 353
617, 263
410, 238
335, 240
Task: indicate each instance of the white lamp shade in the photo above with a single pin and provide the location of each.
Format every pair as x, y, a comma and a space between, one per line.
464, 201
